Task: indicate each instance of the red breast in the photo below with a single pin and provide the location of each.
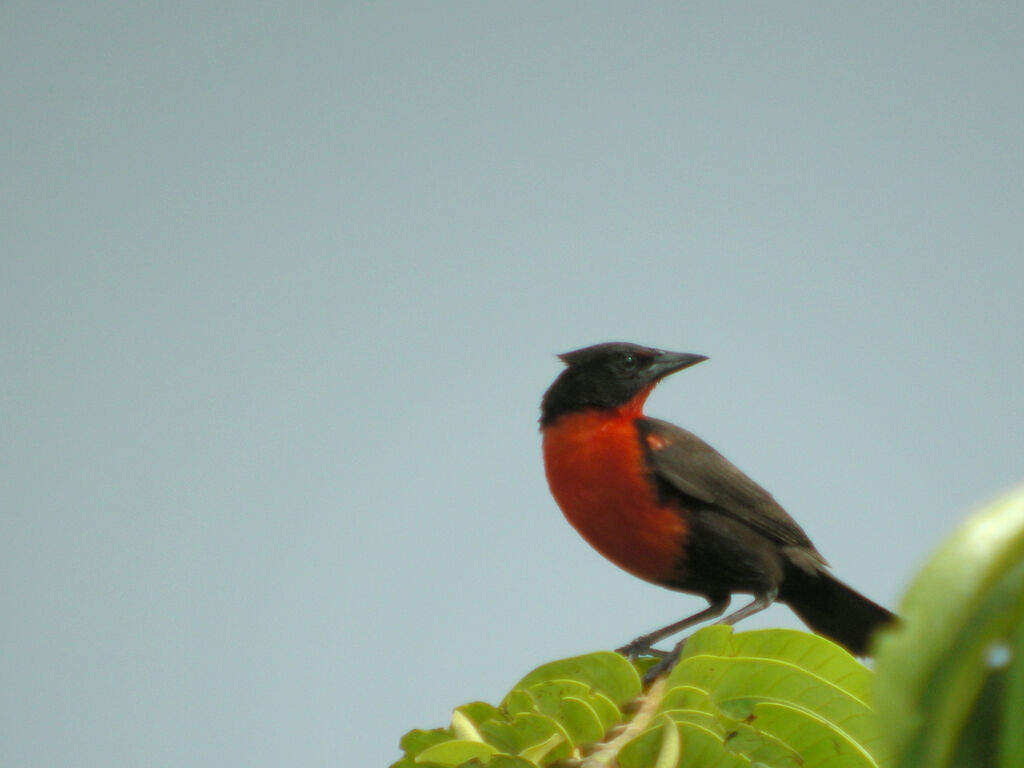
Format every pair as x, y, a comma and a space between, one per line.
597, 473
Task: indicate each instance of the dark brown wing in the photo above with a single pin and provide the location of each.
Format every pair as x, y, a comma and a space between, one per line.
691, 468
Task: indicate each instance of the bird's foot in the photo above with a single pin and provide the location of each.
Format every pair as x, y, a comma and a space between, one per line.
641, 647
668, 660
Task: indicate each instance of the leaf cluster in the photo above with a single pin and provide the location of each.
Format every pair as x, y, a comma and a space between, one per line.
772, 697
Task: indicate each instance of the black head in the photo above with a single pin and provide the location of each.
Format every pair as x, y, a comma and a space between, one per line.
609, 376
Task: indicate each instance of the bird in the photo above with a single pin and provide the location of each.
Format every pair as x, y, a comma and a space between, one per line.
665, 506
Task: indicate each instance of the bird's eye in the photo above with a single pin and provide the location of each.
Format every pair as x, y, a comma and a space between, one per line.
628, 362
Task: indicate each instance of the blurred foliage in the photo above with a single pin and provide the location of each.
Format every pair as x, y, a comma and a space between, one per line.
948, 693
950, 686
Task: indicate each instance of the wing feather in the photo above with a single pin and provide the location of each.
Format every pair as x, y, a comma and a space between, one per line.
691, 468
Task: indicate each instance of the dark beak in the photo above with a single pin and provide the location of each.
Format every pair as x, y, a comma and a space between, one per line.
670, 362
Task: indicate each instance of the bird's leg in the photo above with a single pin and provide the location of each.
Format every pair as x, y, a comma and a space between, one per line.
759, 603
643, 645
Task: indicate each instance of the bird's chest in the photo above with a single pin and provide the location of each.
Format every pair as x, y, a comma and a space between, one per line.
598, 474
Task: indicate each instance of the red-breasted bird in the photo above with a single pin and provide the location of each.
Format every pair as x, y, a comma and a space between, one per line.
664, 505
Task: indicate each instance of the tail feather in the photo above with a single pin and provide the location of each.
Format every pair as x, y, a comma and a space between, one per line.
833, 609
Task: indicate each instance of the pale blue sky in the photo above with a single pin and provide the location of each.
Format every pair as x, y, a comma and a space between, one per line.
281, 286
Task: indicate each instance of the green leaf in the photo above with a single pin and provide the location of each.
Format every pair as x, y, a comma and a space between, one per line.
517, 701
703, 748
604, 671
932, 666
605, 708
525, 731
1011, 748
479, 712
761, 747
736, 685
464, 728
668, 753
575, 715
410, 762
642, 751
695, 716
555, 690
415, 741
817, 741
714, 640
578, 719
813, 653
978, 742
538, 752
680, 742
456, 752
756, 692
510, 761
686, 697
